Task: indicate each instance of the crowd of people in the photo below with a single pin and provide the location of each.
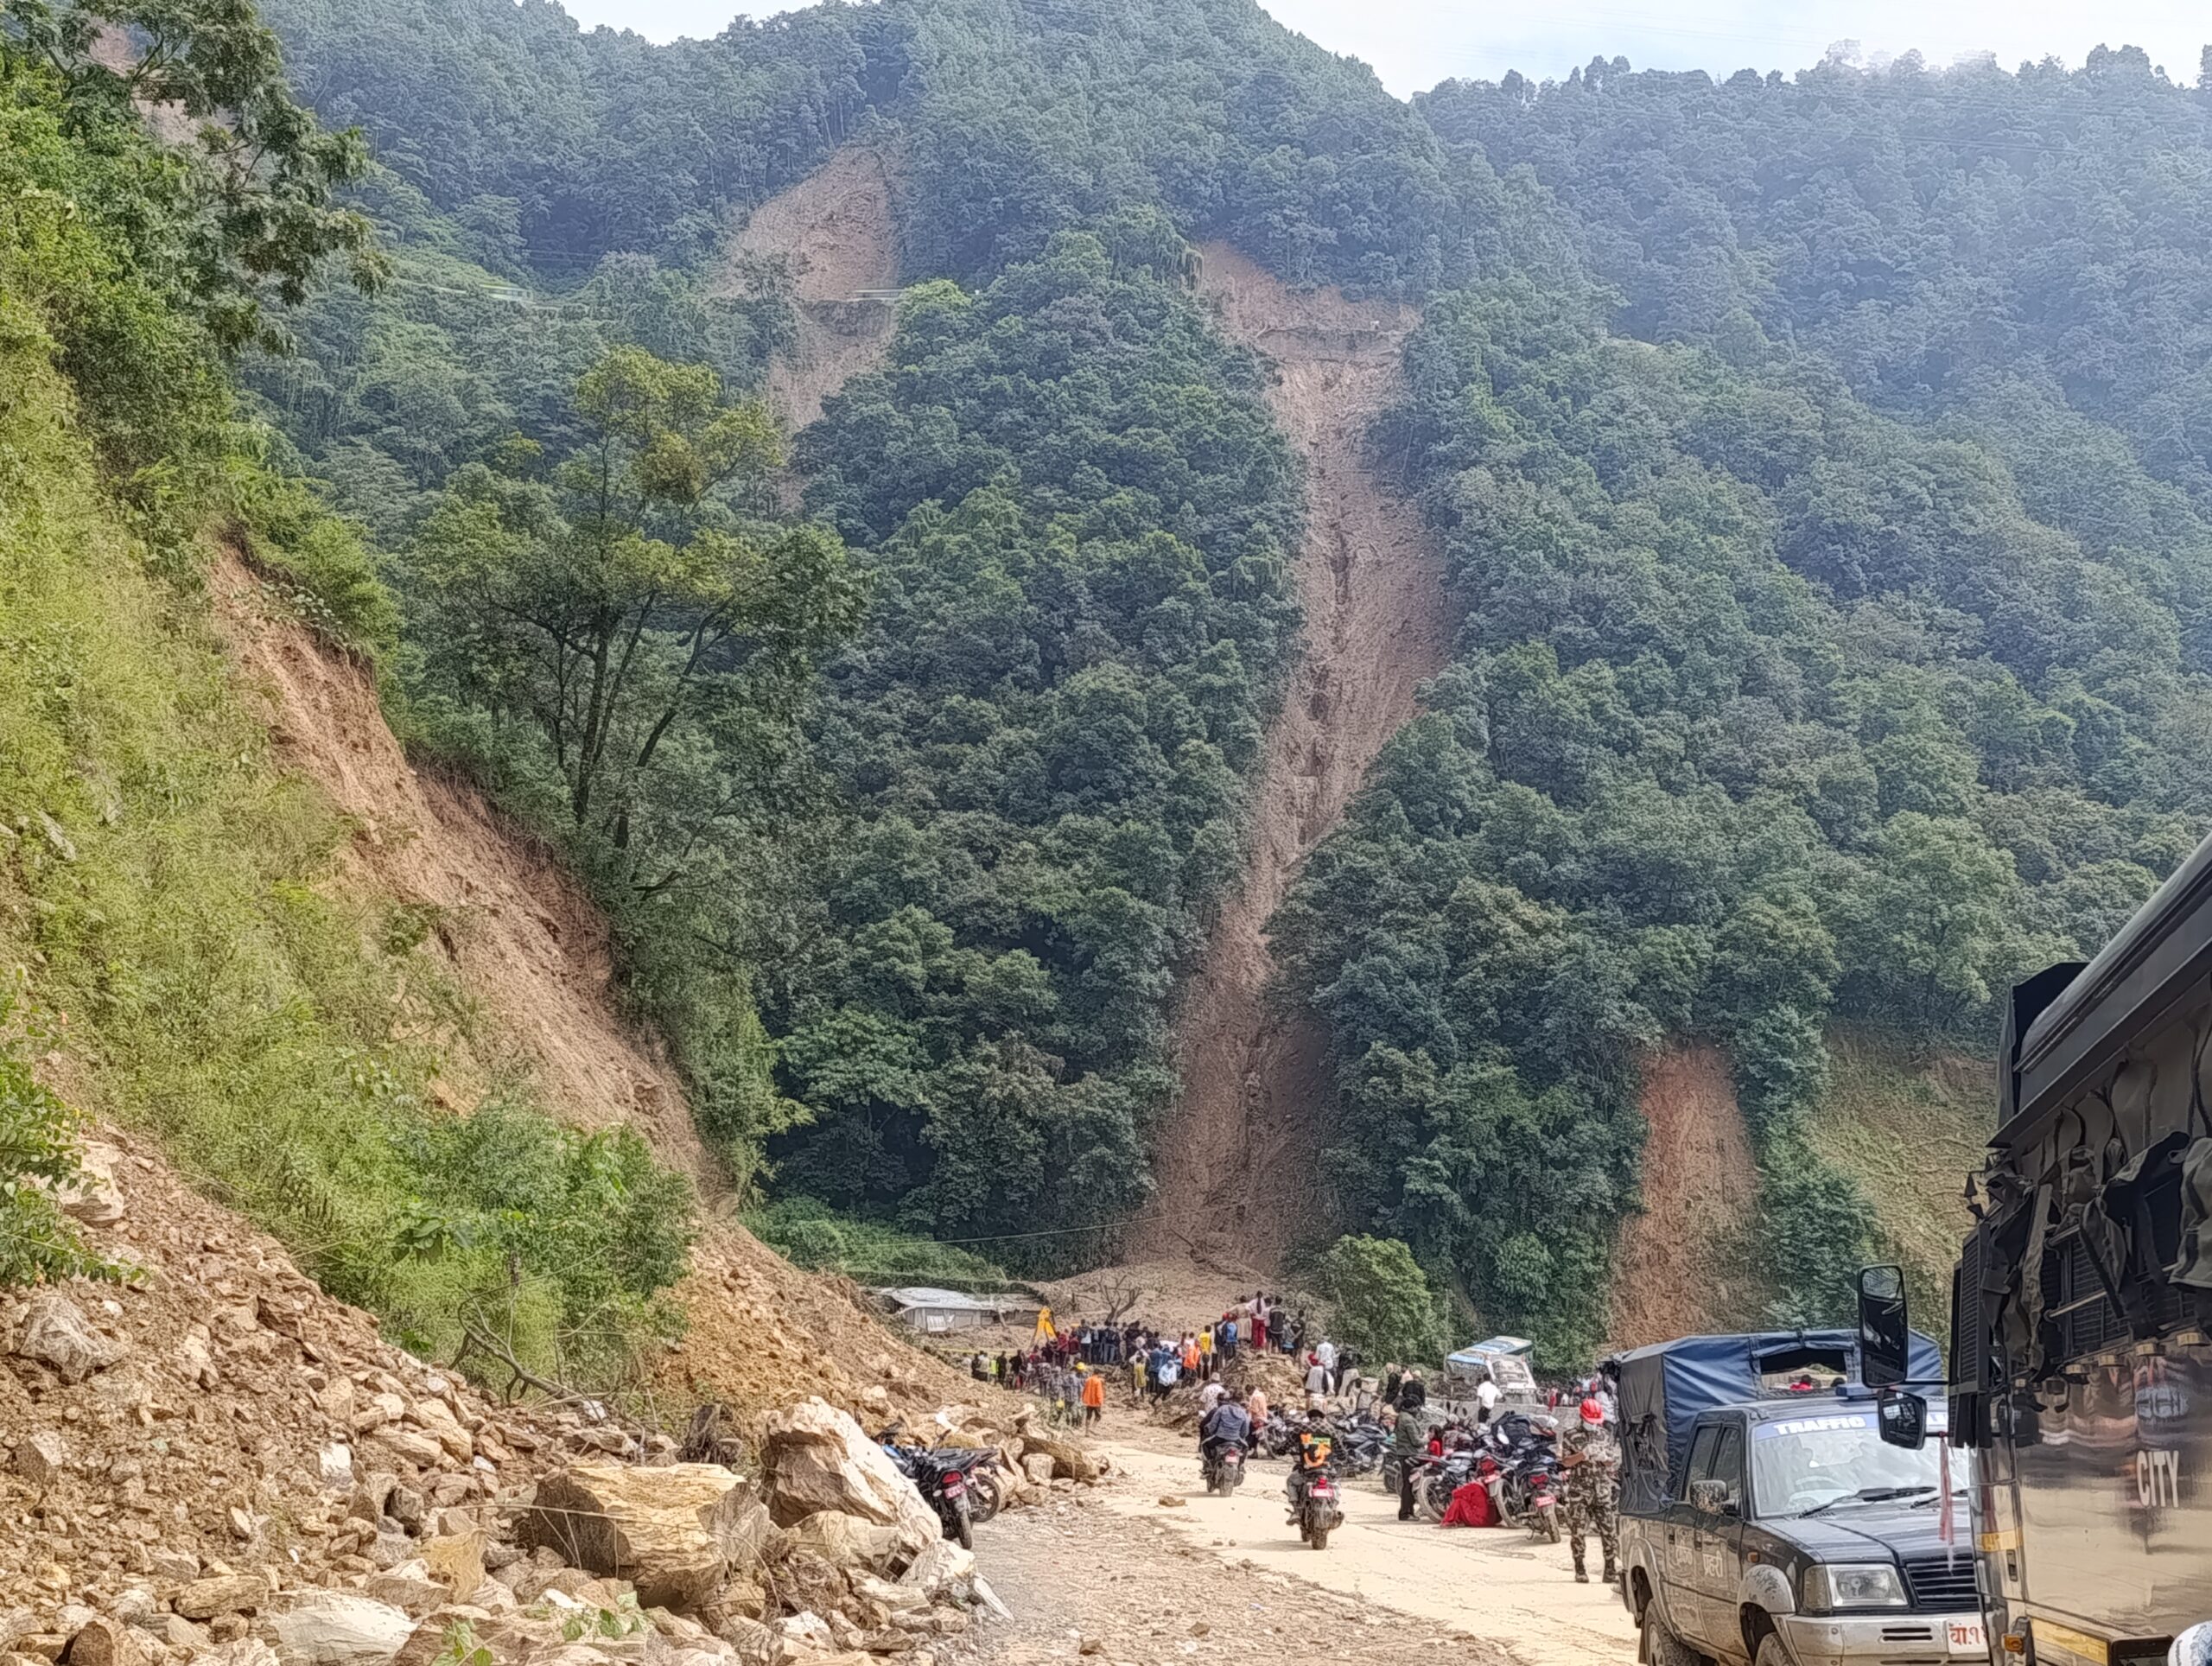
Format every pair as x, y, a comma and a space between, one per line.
1066, 1367
1069, 1370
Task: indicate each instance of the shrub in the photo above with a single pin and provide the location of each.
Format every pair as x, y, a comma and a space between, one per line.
38, 1157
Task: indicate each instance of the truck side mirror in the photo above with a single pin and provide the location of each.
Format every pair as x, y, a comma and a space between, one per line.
1883, 1331
1902, 1419
1710, 1497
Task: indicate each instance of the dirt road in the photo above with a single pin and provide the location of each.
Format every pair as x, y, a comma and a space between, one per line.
1136, 1576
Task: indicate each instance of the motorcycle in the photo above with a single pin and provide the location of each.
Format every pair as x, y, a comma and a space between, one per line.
1319, 1512
1224, 1468
1278, 1436
951, 1481
1357, 1447
1524, 1487
1439, 1478
1543, 1504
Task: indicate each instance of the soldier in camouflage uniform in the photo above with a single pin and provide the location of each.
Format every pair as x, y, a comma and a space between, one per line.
1590, 1461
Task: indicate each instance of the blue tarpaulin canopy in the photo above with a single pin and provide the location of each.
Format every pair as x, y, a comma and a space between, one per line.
1665, 1387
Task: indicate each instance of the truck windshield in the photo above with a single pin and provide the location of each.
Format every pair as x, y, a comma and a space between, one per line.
1833, 1460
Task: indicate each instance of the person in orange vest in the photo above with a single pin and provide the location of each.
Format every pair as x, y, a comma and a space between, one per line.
1094, 1396
1189, 1356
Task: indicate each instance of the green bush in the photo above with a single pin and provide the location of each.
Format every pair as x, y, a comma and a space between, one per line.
38, 1157
1815, 1232
811, 1234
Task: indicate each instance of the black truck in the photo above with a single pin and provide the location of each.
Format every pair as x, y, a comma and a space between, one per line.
2083, 1298
1764, 1520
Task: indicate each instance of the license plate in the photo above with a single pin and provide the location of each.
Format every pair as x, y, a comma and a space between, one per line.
1967, 1636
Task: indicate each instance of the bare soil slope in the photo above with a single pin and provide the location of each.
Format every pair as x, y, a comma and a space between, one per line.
520, 936
836, 235
512, 926
1377, 625
1679, 1266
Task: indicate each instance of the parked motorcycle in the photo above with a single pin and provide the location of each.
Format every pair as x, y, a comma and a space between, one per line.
949, 1480
1356, 1447
1439, 1478
1543, 1504
1518, 1461
1278, 1436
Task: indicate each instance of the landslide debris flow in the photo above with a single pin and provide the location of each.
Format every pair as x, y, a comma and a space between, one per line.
1378, 624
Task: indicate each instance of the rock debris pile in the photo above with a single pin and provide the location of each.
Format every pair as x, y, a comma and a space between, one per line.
214, 1462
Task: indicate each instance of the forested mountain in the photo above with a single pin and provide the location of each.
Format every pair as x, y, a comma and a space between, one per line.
1819, 460
1950, 241
551, 147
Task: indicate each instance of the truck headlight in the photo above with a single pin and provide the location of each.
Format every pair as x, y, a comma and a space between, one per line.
1831, 1586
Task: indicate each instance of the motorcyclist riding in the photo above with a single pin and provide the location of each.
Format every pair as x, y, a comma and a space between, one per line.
1226, 1425
1311, 1459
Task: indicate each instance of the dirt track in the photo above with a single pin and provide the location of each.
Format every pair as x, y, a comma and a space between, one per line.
1136, 1574
836, 234
1377, 625
1678, 1266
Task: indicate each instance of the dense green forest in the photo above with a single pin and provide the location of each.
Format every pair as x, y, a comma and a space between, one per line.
547, 148
1817, 460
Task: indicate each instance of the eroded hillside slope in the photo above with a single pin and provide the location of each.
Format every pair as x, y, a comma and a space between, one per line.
1679, 1264
519, 937
1377, 625
835, 235
508, 921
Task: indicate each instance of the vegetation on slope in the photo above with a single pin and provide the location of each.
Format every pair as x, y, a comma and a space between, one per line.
550, 148
1078, 514
166, 890
1908, 1127
1770, 709
1960, 241
1816, 457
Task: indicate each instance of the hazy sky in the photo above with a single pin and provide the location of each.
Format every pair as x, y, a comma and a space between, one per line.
1416, 43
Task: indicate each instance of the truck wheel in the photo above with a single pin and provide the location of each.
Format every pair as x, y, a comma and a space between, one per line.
1773, 1651
1660, 1646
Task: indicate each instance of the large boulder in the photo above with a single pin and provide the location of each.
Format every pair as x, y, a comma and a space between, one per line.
942, 1569
849, 1541
1069, 1461
56, 1333
91, 1195
814, 1457
106, 1642
222, 1593
331, 1628
672, 1531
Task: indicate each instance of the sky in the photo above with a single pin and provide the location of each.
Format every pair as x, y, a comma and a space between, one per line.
1413, 44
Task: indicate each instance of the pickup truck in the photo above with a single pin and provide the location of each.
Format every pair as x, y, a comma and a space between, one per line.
1772, 1526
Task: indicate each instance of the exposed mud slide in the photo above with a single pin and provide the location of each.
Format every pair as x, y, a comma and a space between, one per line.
1681, 1266
1378, 624
512, 926
836, 235
525, 942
